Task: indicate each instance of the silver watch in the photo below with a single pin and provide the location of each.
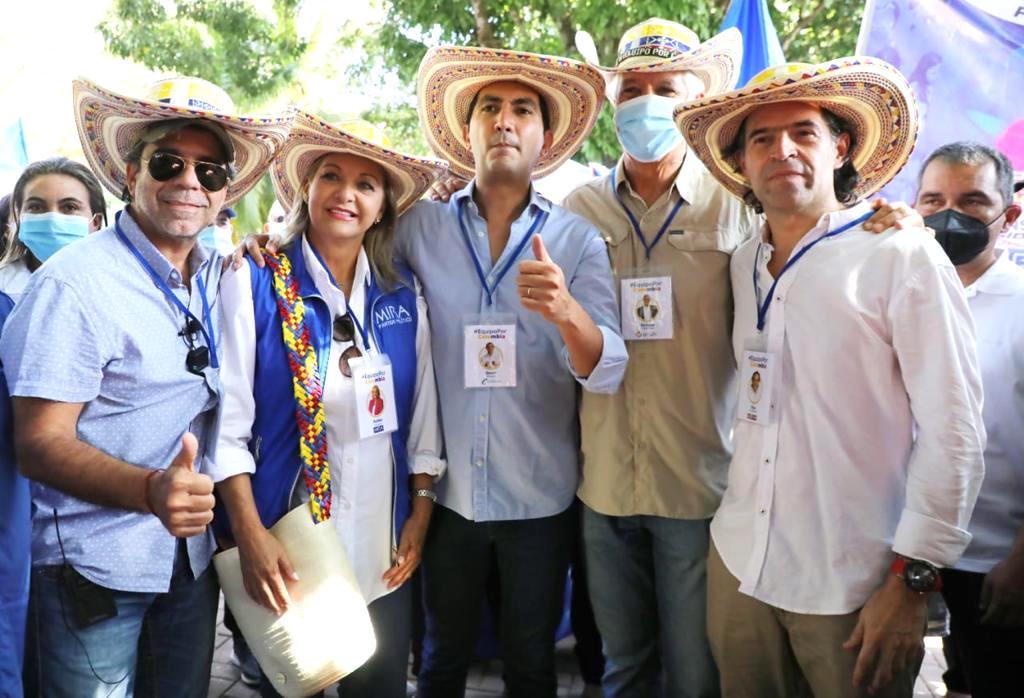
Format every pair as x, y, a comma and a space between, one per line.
429, 494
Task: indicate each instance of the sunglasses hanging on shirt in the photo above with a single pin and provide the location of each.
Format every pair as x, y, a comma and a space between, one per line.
345, 331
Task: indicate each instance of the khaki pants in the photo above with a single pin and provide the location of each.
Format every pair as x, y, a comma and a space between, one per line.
763, 651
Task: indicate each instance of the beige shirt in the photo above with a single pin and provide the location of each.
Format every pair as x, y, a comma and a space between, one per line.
661, 445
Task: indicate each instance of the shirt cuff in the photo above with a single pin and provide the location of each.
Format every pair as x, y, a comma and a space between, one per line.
924, 538
611, 367
230, 462
428, 464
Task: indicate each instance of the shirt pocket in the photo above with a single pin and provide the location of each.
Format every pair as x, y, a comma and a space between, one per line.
689, 240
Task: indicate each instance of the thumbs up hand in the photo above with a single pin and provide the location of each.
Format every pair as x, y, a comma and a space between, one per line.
180, 497
542, 286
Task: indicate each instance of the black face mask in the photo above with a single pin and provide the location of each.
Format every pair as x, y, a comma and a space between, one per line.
962, 237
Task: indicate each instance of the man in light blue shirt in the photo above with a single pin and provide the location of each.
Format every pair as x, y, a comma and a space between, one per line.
112, 365
501, 265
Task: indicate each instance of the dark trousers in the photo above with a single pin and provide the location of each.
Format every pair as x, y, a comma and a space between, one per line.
383, 675
532, 560
991, 657
589, 655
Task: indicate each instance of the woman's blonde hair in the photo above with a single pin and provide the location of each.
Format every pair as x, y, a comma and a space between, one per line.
378, 241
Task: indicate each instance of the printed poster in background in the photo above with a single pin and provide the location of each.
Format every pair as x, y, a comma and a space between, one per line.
965, 61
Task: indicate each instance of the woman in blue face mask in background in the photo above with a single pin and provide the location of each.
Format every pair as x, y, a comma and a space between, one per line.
54, 202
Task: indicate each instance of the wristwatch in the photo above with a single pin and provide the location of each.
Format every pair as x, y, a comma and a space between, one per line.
429, 494
918, 575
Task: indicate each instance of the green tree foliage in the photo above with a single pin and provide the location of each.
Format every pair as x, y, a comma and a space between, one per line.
227, 42
810, 30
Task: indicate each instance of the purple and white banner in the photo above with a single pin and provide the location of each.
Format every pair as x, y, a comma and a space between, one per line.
965, 62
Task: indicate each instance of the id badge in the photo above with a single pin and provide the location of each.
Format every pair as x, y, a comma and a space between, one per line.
375, 395
489, 355
646, 310
757, 383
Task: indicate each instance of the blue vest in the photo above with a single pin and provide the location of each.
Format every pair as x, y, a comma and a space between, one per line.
274, 443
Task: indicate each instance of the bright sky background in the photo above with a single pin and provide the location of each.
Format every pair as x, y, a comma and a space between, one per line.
46, 43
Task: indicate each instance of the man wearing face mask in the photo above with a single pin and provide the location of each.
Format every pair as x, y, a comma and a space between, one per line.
651, 485
219, 235
111, 359
965, 193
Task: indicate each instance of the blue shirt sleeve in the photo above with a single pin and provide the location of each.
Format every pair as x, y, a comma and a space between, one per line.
51, 347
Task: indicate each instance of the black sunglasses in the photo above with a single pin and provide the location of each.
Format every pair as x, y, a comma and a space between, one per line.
198, 357
164, 166
345, 331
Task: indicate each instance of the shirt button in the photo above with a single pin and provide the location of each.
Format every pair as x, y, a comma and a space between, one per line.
763, 512
767, 461
483, 419
479, 462
479, 233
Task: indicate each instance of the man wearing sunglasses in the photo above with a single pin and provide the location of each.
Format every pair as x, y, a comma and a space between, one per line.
113, 368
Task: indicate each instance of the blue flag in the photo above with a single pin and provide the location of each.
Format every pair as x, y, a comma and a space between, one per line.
761, 47
13, 154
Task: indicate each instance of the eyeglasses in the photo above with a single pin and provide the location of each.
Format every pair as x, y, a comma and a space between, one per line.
165, 166
198, 357
345, 331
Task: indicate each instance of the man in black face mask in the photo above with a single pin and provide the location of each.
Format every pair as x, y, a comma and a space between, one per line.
966, 195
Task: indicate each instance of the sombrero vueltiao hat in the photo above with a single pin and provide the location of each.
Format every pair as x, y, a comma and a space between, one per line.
661, 46
109, 125
450, 76
312, 138
869, 93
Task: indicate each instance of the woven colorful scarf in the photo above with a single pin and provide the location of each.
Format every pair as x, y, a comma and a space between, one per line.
309, 409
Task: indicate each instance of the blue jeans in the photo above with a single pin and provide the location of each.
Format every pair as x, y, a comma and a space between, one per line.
383, 675
168, 636
647, 577
532, 561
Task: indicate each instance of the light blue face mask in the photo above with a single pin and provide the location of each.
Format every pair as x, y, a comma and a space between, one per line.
45, 233
646, 128
218, 239
208, 237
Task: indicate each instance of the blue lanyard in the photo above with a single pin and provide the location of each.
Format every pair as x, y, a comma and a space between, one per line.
636, 223
348, 308
538, 220
762, 308
162, 285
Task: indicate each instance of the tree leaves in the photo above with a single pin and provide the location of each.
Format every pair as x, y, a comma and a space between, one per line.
224, 41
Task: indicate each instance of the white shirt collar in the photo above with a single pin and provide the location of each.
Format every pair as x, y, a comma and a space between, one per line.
828, 222
334, 295
1004, 278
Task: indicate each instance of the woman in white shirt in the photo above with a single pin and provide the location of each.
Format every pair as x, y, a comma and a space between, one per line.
309, 342
54, 202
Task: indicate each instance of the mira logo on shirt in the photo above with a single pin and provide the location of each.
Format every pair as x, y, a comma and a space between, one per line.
391, 315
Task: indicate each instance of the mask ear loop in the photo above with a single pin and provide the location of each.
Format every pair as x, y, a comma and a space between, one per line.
998, 216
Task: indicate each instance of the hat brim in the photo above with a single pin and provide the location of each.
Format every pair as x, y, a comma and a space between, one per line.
109, 125
716, 62
311, 138
868, 93
450, 76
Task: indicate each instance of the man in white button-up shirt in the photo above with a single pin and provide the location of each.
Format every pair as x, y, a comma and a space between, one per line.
966, 190
861, 341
